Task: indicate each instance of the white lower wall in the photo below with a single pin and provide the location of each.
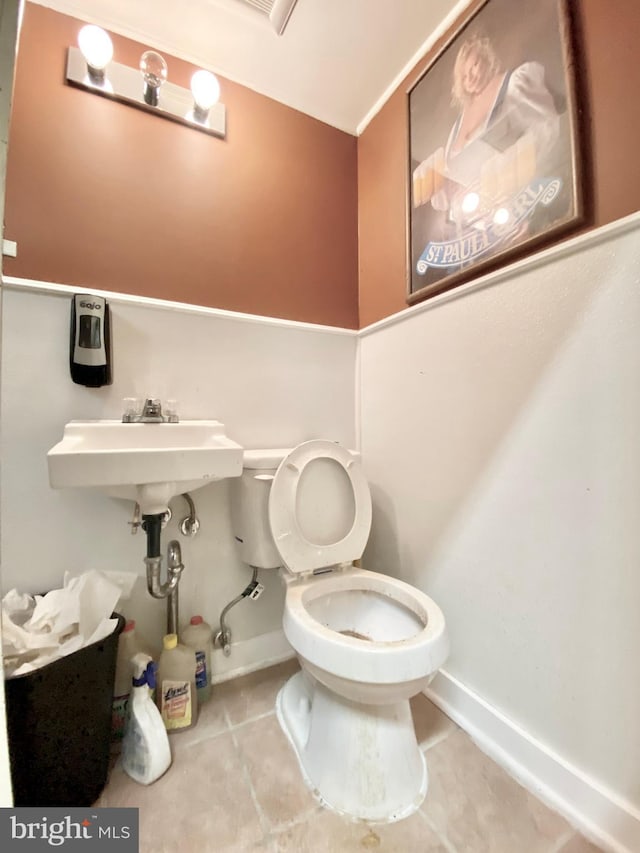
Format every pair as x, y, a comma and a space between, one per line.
500, 433
600, 814
272, 383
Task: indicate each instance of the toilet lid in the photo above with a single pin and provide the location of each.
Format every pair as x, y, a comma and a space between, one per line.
319, 507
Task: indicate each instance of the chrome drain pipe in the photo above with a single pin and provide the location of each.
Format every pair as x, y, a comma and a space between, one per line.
152, 525
174, 569
157, 589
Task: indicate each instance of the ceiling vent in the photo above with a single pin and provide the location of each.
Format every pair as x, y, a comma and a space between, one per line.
277, 12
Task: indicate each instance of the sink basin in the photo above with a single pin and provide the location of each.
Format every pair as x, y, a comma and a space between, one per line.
147, 463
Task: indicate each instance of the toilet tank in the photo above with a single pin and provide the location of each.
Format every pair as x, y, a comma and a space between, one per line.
250, 508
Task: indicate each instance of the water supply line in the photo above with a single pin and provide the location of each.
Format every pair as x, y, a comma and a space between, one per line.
190, 525
223, 636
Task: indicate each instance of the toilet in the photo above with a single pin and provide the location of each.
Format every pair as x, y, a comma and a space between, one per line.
366, 642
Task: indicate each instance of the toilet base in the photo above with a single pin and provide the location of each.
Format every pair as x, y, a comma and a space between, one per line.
359, 760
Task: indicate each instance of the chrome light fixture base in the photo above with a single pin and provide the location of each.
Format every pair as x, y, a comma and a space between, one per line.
124, 84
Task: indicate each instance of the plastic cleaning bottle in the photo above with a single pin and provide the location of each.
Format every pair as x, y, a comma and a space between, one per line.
146, 753
176, 685
128, 646
198, 635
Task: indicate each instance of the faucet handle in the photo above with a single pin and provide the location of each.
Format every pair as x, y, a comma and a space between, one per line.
130, 410
171, 411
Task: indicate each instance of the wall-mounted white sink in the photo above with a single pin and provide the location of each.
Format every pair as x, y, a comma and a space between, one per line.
146, 462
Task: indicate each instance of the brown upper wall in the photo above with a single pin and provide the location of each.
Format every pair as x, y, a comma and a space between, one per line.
267, 220
103, 195
609, 36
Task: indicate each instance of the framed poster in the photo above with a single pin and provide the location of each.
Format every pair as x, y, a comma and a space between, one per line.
493, 144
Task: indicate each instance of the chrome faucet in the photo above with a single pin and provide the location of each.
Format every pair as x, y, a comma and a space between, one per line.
151, 413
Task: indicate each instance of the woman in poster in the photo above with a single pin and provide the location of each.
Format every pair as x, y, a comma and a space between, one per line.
502, 139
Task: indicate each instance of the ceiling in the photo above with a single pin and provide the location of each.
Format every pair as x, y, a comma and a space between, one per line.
337, 60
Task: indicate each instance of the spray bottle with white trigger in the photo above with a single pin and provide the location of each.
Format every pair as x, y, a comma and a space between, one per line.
146, 753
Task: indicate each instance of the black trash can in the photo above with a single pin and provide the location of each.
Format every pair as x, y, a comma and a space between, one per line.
59, 726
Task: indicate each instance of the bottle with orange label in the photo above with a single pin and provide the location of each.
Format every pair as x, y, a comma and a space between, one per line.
176, 685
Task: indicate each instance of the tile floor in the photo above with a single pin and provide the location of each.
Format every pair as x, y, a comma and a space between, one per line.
235, 785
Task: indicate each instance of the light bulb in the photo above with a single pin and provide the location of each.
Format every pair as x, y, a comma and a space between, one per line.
501, 216
97, 49
470, 202
205, 90
153, 68
154, 72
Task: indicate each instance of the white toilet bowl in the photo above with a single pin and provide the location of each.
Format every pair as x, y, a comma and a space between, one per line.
370, 637
366, 642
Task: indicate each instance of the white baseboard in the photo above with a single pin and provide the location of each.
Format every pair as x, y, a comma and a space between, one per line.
599, 814
250, 655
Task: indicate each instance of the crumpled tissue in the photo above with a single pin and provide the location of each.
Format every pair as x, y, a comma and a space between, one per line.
42, 628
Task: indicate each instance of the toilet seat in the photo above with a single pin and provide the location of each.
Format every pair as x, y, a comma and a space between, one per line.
299, 554
357, 659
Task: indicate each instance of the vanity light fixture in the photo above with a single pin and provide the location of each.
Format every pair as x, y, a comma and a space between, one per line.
90, 67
